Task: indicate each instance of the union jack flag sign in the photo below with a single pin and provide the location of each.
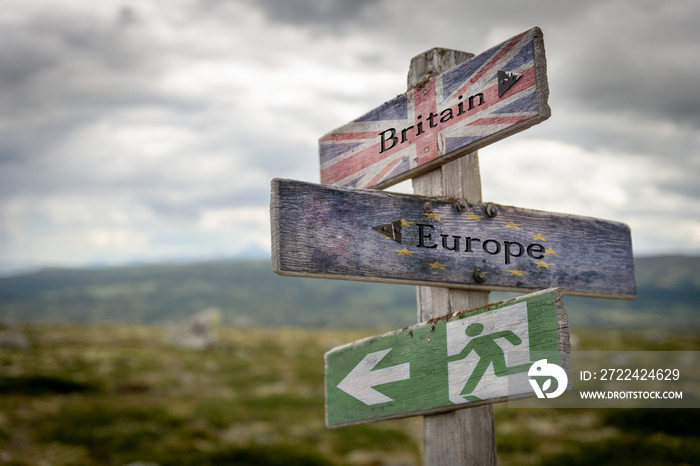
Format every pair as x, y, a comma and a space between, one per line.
487, 98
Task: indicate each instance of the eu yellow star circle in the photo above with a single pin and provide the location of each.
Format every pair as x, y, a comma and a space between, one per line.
437, 265
517, 272
550, 251
434, 215
473, 216
405, 223
539, 237
542, 263
405, 252
512, 224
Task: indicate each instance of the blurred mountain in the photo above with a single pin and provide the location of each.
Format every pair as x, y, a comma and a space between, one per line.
248, 293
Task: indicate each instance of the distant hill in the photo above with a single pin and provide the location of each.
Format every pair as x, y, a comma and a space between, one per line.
668, 295
248, 293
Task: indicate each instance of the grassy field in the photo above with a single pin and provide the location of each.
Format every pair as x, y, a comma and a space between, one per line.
115, 395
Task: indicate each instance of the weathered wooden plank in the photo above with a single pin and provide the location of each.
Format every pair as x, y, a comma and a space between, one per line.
487, 98
329, 232
465, 436
466, 359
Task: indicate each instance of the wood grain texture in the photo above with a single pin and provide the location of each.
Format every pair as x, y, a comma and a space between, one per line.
432, 63
328, 232
443, 118
441, 359
465, 436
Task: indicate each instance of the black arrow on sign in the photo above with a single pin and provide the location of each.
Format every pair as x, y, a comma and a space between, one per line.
391, 230
505, 81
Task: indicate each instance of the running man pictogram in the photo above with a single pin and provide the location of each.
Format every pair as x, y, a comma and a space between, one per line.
489, 352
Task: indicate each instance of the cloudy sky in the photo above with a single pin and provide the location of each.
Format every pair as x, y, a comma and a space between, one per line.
141, 131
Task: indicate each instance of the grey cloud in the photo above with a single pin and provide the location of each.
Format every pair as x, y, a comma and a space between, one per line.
646, 66
60, 73
54, 61
22, 58
172, 189
644, 91
190, 208
327, 14
685, 184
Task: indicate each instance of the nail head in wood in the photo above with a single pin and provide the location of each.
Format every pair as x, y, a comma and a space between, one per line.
491, 210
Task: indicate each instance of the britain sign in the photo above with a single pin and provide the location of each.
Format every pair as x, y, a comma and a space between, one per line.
487, 98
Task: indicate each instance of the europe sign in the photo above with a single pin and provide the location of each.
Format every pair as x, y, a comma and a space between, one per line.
500, 92
496, 353
368, 235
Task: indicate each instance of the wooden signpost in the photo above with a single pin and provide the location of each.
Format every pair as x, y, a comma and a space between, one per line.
462, 360
352, 234
450, 241
487, 98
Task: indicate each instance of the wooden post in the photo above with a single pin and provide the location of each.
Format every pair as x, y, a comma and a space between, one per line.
467, 436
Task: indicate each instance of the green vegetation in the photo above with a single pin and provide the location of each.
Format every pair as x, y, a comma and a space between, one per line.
100, 387
112, 395
118, 394
248, 293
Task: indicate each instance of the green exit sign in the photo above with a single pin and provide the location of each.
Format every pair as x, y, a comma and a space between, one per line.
459, 361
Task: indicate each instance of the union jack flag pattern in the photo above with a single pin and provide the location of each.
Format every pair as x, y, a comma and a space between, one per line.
487, 98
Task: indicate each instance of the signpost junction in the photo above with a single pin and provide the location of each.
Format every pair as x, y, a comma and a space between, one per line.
464, 352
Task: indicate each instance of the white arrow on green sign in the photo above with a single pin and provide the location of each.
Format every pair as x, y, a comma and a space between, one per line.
462, 360
358, 383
